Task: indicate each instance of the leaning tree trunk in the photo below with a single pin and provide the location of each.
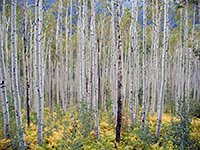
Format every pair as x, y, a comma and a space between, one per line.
119, 93
3, 87
161, 98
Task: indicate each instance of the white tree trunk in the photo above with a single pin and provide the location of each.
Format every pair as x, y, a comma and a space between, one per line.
144, 67
163, 73
3, 86
15, 87
94, 71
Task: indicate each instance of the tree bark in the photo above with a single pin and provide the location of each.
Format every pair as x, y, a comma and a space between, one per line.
119, 93
3, 86
94, 70
15, 86
163, 74
144, 67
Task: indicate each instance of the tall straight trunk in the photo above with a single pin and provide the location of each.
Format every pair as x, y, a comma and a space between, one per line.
133, 30
153, 34
144, 67
3, 86
71, 64
104, 66
119, 93
7, 57
31, 63
114, 88
80, 56
49, 70
193, 29
161, 98
83, 56
27, 67
57, 49
137, 62
62, 87
187, 81
179, 99
5, 27
66, 65
15, 87
158, 17
94, 70
38, 57
88, 85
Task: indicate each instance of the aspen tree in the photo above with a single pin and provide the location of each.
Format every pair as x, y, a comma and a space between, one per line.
132, 68
83, 56
153, 63
193, 29
31, 62
66, 67
187, 81
179, 100
62, 59
104, 65
3, 85
119, 80
163, 69
88, 85
27, 85
5, 27
94, 70
38, 67
81, 87
15, 87
114, 89
71, 64
137, 61
57, 46
144, 67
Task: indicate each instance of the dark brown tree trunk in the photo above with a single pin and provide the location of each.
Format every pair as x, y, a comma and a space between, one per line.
119, 99
26, 62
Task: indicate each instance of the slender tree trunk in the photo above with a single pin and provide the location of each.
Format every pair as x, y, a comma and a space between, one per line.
161, 98
27, 87
132, 65
38, 57
15, 87
119, 99
94, 70
144, 67
137, 62
114, 88
3, 86
66, 67
187, 81
71, 64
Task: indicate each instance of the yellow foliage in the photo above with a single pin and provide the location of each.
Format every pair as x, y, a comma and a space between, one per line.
104, 125
4, 143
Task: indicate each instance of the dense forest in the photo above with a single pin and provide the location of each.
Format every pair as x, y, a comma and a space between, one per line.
96, 74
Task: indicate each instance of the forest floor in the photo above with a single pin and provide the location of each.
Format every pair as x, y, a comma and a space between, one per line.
78, 132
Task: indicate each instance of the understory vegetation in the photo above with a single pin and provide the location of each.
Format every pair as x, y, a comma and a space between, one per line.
74, 133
